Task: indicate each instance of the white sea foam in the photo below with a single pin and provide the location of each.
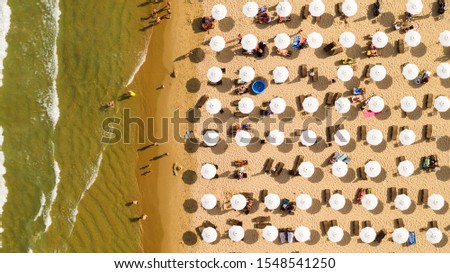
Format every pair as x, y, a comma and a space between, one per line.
53, 195
5, 21
141, 60
41, 209
3, 189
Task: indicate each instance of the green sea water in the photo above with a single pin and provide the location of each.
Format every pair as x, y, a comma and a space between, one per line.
64, 190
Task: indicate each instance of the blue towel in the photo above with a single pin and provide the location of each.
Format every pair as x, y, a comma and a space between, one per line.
343, 157
412, 238
296, 43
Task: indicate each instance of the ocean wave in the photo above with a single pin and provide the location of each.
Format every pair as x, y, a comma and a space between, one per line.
53, 195
41, 208
3, 189
141, 60
5, 21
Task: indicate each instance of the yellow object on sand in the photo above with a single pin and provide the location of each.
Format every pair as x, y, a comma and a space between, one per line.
131, 93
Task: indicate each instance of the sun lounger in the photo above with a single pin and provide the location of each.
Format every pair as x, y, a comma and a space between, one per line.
429, 101
362, 173
339, 9
335, 51
262, 195
282, 235
403, 191
329, 47
303, 71
394, 132
301, 98
329, 99
234, 222
401, 46
366, 224
248, 195
290, 235
325, 225
392, 193
261, 219
428, 132
239, 114
306, 12
268, 165
433, 224
355, 228
336, 97
411, 239
201, 101
326, 196
380, 235
333, 223
369, 66
215, 83
330, 133
297, 162
261, 225
399, 223
425, 197
278, 168
315, 75
362, 132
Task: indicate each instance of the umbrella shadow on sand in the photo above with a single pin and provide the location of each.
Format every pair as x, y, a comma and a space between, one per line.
349, 177
443, 174
315, 237
381, 177
189, 238
380, 147
250, 236
443, 143
378, 209
315, 206
190, 205
192, 145
193, 85
226, 24
317, 176
411, 208
347, 207
226, 55
345, 240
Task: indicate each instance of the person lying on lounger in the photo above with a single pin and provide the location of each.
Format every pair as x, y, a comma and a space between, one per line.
284, 19
284, 52
242, 89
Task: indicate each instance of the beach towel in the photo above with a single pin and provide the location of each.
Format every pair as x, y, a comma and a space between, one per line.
296, 43
368, 114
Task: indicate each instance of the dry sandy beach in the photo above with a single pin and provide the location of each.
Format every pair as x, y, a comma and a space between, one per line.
172, 199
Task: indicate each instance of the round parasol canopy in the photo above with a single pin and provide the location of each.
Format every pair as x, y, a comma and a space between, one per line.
247, 74
238, 202
276, 137
218, 12
270, 233
303, 201
314, 40
442, 103
272, 201
402, 202
211, 138
243, 138
208, 171
316, 8
407, 137
347, 39
282, 40
310, 104
339, 169
405, 168
213, 106
246, 105
376, 104
308, 138
414, 6
280, 74
236, 233
436, 201
434, 235
369, 201
337, 201
342, 105
209, 235
372, 168
345, 73
277, 105
209, 201
342, 137
302, 234
412, 38
378, 72
249, 42
367, 235
444, 38
306, 169
335, 234
380, 39
400, 235
217, 43
443, 70
214, 74
410, 71
250, 9
374, 137
349, 8
283, 9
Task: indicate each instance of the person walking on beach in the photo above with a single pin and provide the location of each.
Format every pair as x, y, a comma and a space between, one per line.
143, 217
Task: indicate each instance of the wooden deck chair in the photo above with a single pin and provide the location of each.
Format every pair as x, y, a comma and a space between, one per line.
403, 191
362, 174
260, 219
330, 133
339, 9
392, 193
355, 228
329, 47
262, 195
326, 194
428, 132
394, 132
278, 168
325, 226
362, 132
366, 224
239, 114
433, 224
429, 101
333, 223
306, 12
329, 99
234, 222
425, 197
315, 76
297, 162
248, 195
301, 98
261, 225
303, 71
201, 101
401, 46
400, 223
380, 235
335, 51
336, 97
268, 165
368, 67
338, 191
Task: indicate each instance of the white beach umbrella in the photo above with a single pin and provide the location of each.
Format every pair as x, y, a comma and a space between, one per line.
282, 40
217, 43
213, 106
378, 72
236, 233
369, 201
372, 168
314, 40
400, 235
376, 104
276, 137
214, 74
349, 8
408, 104
250, 9
303, 201
342, 105
310, 104
434, 235
243, 138
345, 73
335, 234
367, 235
405, 168
306, 169
316, 8
443, 70
211, 138
337, 201
270, 233
412, 38
272, 201
410, 71
218, 12
347, 39
414, 6
208, 171
246, 105
380, 39
436, 201
209, 235
342, 137
339, 168
308, 138
209, 201
280, 74
374, 137
277, 105
402, 202
238, 202
444, 38
302, 234
407, 137
246, 73
442, 103
249, 42
283, 9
